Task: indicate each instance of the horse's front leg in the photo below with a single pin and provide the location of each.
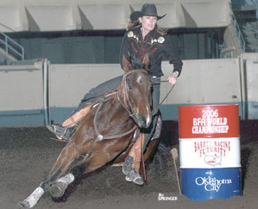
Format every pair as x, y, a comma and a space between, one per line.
53, 183
32, 199
58, 189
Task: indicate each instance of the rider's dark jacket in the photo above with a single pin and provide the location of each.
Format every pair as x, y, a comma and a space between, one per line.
154, 45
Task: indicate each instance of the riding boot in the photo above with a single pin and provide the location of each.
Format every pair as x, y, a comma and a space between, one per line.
76, 117
62, 133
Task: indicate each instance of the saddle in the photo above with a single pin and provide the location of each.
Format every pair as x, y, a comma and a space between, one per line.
76, 117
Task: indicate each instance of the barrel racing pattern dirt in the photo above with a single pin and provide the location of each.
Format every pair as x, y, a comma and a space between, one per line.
209, 149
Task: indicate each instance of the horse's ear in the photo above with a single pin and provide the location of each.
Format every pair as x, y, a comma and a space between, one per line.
146, 62
126, 65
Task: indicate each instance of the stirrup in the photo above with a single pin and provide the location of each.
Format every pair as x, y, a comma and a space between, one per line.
62, 133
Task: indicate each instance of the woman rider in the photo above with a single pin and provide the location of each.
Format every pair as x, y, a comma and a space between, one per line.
143, 37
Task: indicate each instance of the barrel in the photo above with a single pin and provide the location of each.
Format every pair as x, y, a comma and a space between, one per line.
209, 151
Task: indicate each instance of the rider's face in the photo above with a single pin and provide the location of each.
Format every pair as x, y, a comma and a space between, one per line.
148, 22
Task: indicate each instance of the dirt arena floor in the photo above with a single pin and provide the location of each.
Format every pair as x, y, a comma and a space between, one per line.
27, 155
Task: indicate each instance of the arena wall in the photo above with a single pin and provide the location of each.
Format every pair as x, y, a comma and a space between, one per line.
40, 93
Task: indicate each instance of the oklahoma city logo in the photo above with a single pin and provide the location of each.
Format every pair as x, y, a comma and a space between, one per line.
211, 184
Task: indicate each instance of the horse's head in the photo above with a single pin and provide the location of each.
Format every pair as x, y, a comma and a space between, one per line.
136, 93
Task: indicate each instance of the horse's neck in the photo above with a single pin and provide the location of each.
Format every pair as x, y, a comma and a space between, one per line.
113, 112
119, 102
113, 101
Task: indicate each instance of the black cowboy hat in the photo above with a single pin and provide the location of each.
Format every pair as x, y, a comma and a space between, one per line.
146, 10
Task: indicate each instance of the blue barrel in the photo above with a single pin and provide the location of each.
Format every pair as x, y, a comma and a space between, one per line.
209, 151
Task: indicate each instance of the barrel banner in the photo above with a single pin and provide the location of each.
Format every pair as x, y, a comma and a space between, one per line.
209, 152
204, 184
208, 121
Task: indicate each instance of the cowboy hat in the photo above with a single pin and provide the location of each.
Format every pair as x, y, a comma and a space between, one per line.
146, 10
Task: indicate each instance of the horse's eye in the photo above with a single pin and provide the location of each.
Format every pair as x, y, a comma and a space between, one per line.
130, 86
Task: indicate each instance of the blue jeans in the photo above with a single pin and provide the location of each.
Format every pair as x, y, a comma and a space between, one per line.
96, 93
112, 85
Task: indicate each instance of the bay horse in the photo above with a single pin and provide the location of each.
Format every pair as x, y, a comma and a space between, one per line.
103, 135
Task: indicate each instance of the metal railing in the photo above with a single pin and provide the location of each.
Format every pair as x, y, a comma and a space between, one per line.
11, 47
254, 2
237, 31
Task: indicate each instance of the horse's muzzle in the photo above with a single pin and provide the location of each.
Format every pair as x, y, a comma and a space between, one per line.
143, 122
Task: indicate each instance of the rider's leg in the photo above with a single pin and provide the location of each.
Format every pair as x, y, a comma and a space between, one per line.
100, 90
66, 132
77, 116
155, 103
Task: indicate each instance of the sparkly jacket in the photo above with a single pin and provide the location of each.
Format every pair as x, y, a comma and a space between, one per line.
154, 45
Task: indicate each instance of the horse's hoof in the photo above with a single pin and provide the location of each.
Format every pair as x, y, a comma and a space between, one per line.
128, 165
24, 204
57, 189
139, 181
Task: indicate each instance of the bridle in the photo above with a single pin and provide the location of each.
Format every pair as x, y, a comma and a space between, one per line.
130, 109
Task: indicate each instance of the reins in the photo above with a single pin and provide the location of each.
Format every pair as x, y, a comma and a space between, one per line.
155, 111
100, 137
